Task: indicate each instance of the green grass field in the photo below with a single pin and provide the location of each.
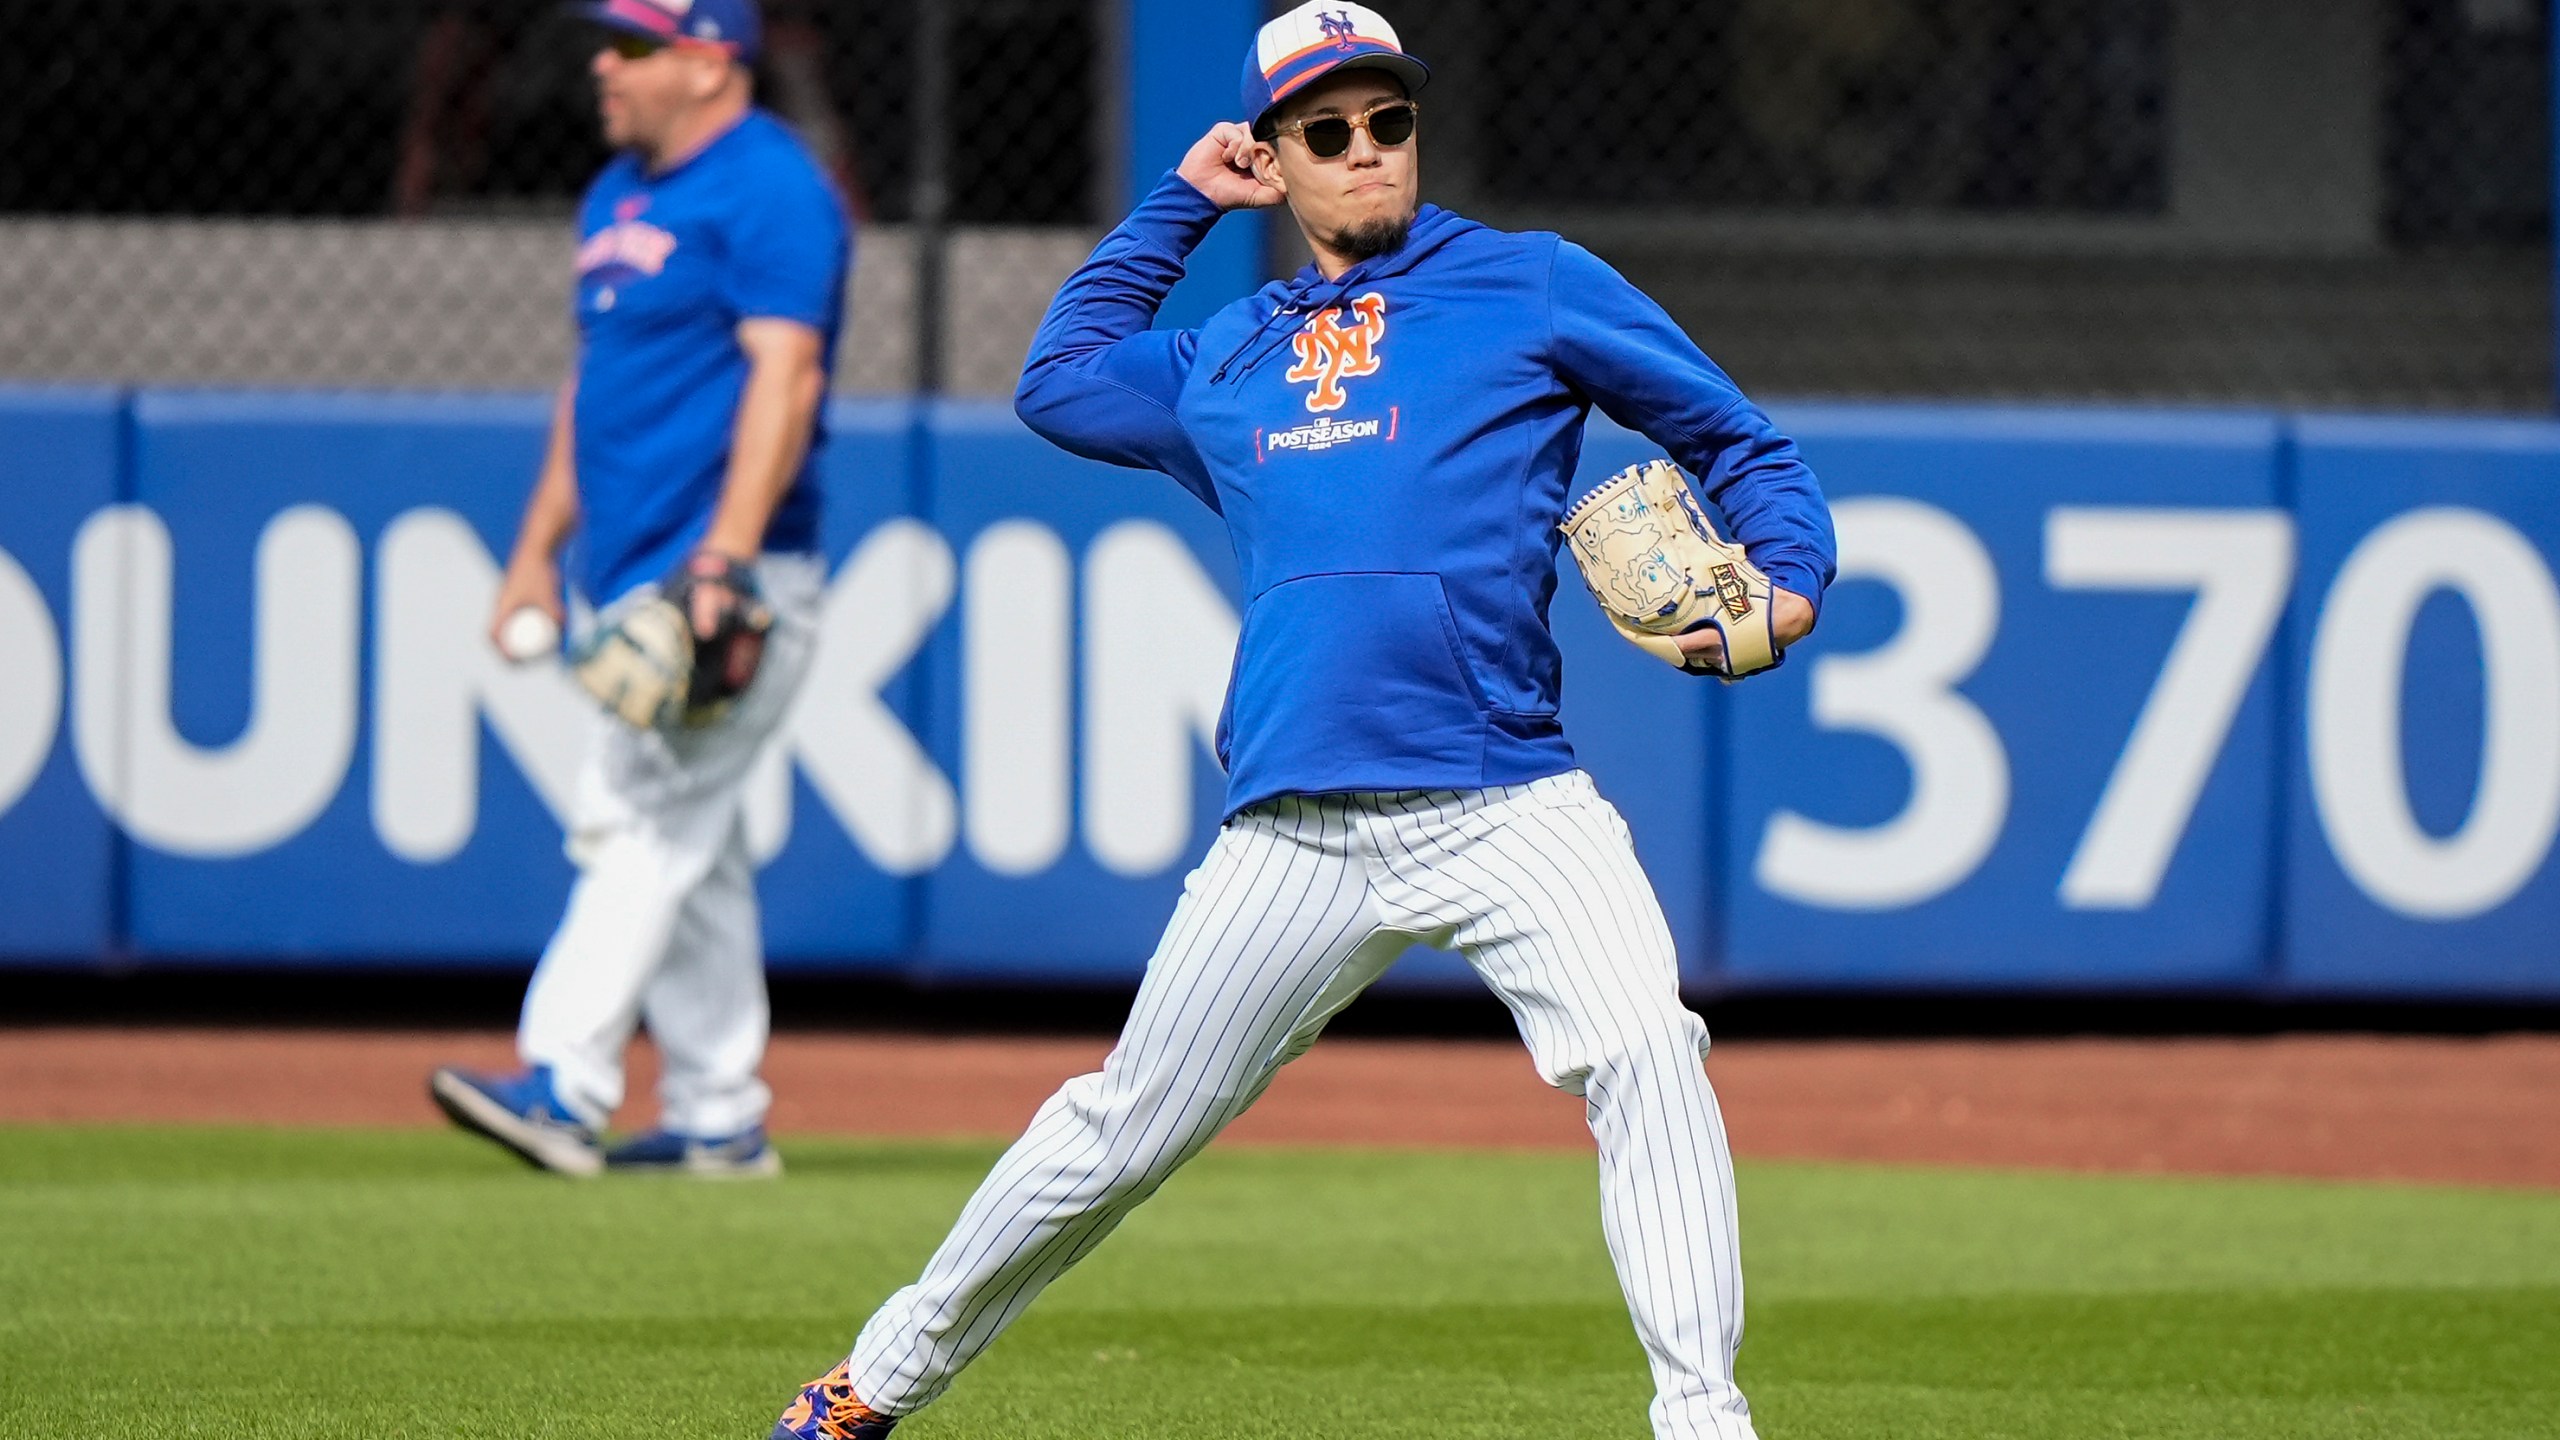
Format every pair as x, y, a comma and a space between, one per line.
228, 1283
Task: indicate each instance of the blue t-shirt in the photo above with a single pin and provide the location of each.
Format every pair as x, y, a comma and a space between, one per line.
668, 265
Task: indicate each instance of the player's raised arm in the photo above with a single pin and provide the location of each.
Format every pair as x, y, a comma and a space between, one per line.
1617, 346
1100, 380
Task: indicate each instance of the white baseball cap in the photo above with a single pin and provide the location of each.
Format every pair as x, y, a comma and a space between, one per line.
1315, 40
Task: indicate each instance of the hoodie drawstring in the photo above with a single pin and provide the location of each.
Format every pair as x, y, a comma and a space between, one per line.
1288, 307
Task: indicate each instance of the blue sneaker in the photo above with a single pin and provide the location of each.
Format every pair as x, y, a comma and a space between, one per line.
747, 1155
523, 1113
826, 1410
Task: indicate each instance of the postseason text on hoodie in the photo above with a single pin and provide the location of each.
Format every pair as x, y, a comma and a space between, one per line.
1392, 452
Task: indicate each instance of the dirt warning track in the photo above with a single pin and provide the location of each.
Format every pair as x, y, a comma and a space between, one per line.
2475, 1111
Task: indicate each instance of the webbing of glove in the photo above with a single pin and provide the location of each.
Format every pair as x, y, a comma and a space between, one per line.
727, 624
1659, 569
639, 667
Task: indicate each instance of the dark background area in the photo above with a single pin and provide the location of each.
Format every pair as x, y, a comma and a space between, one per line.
307, 107
2306, 204
395, 999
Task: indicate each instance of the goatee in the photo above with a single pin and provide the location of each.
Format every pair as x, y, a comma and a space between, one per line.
1367, 239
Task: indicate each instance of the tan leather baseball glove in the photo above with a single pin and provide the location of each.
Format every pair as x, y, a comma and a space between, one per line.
1659, 569
679, 658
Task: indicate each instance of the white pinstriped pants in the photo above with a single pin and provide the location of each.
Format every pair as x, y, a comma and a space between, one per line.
1300, 904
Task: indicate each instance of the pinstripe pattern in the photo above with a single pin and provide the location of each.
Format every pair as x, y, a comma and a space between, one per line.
1300, 904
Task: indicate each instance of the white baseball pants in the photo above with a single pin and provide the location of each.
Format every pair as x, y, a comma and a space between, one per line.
1300, 904
662, 924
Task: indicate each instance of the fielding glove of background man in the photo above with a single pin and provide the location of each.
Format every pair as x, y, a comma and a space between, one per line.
678, 658
1659, 570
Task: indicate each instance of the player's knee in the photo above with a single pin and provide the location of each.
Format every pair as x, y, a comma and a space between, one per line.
1658, 1044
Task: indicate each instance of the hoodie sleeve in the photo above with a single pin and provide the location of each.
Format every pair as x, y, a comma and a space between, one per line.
1614, 344
1099, 381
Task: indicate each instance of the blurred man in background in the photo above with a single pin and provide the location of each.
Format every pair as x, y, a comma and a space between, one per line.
711, 275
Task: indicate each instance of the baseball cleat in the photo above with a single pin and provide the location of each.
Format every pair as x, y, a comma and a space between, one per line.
521, 1112
747, 1155
826, 1410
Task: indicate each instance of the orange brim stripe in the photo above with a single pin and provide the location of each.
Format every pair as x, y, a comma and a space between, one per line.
1285, 61
1283, 89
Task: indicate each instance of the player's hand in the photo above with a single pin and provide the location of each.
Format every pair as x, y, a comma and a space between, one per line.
1704, 646
1790, 620
530, 580
715, 591
1220, 166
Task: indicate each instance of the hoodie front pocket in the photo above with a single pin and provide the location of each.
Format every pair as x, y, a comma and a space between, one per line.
1340, 677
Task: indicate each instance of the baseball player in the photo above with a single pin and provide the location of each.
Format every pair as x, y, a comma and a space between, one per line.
1390, 437
711, 276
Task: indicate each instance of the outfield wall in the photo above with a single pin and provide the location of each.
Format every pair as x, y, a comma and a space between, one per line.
2104, 700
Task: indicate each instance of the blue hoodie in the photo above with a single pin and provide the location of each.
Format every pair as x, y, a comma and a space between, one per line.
1392, 452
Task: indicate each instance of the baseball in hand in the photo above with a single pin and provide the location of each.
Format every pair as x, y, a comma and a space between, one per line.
529, 635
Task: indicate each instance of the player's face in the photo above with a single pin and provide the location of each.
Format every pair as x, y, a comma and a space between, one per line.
1362, 197
644, 91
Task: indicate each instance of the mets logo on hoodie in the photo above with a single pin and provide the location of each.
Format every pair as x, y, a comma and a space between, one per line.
1331, 351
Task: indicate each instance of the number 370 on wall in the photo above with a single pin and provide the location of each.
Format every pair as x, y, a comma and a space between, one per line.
2240, 566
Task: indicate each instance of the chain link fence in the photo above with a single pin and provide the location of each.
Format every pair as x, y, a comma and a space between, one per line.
2303, 202
380, 192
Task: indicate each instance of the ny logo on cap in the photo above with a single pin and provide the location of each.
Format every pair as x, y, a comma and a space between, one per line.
1338, 28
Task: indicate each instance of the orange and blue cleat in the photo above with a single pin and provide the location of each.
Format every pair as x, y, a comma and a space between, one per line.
826, 1410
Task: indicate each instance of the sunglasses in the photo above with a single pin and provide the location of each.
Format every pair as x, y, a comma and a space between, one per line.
633, 47
1327, 137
